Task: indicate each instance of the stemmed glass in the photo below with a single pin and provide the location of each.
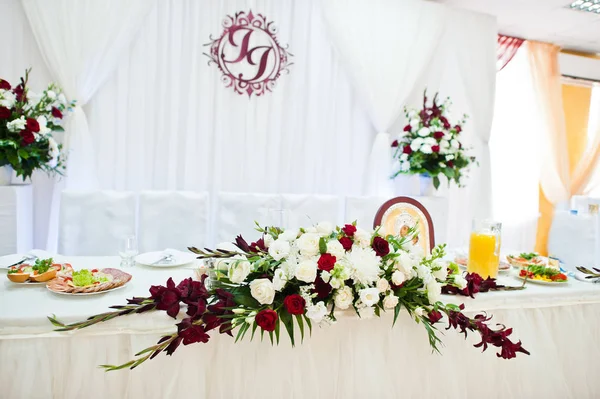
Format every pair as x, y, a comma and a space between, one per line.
128, 249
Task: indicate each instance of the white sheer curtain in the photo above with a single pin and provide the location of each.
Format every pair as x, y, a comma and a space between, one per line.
384, 63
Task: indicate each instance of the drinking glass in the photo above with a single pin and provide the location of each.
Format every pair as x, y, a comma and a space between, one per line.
128, 249
484, 248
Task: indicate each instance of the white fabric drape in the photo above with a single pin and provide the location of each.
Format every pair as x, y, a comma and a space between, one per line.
81, 43
384, 63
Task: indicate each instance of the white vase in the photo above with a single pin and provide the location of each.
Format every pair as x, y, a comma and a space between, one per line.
406, 185
19, 180
5, 175
426, 188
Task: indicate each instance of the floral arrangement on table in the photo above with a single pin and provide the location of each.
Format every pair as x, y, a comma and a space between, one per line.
430, 145
27, 120
302, 278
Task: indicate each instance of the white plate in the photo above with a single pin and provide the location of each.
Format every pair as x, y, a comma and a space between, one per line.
179, 259
86, 293
29, 282
542, 282
9, 260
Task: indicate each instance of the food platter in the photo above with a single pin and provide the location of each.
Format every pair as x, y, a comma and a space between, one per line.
42, 271
85, 293
543, 275
89, 282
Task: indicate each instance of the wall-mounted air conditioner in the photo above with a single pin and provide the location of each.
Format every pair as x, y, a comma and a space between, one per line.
579, 67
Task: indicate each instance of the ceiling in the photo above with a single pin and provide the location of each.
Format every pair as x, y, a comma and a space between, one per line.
543, 20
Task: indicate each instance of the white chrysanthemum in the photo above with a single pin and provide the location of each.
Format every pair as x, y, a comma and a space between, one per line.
382, 285
390, 302
424, 132
424, 273
316, 312
364, 265
336, 249
324, 228
362, 237
404, 263
279, 249
426, 149
434, 291
288, 235
289, 266
343, 298
280, 279
369, 296
308, 243
262, 290
367, 312
307, 271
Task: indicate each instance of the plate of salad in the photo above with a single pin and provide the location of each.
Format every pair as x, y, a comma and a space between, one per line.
89, 282
526, 259
543, 275
39, 273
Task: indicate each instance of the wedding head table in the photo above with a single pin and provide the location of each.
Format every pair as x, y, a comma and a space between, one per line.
353, 358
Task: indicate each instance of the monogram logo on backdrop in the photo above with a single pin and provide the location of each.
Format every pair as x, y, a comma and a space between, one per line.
248, 54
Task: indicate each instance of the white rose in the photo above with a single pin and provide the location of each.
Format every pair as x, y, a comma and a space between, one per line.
307, 271
17, 125
336, 249
279, 249
362, 238
426, 149
369, 296
288, 235
442, 273
316, 312
308, 243
424, 132
383, 285
390, 302
460, 282
366, 313
279, 279
434, 291
324, 228
398, 277
343, 298
262, 290
268, 240
239, 270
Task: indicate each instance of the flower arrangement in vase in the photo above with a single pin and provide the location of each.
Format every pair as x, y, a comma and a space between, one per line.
27, 120
430, 145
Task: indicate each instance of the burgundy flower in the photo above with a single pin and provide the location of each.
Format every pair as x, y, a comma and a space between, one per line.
33, 125
407, 149
434, 316
445, 122
322, 289
258, 246
349, 230
166, 298
438, 135
458, 129
56, 113
4, 85
27, 137
294, 304
266, 319
450, 164
191, 333
4, 113
192, 291
242, 244
407, 128
346, 243
380, 246
20, 93
435, 148
394, 143
326, 262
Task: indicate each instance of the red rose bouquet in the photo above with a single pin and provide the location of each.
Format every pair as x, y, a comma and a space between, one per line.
27, 120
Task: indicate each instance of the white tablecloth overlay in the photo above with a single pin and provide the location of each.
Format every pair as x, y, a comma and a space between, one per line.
351, 359
16, 219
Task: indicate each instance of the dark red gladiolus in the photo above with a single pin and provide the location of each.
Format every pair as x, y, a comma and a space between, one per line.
435, 148
191, 291
5, 113
438, 135
407, 149
394, 143
445, 122
4, 85
458, 129
349, 230
258, 246
322, 289
407, 128
326, 262
191, 333
294, 304
267, 319
475, 284
450, 164
27, 137
33, 125
346, 243
56, 113
380, 246
166, 298
242, 244
434, 316
20, 93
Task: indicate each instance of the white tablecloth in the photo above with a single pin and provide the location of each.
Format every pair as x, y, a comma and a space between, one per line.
16, 219
351, 359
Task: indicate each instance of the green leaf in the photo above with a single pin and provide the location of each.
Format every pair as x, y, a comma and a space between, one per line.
271, 336
309, 324
254, 325
239, 334
322, 245
301, 325
436, 182
377, 311
396, 313
23, 154
288, 322
262, 334
244, 298
277, 331
57, 128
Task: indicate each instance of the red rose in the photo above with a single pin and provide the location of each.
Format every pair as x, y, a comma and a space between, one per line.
435, 148
438, 135
407, 149
56, 113
266, 319
346, 243
395, 143
380, 246
450, 164
4, 85
27, 137
349, 230
326, 262
294, 304
33, 125
407, 128
458, 129
4, 113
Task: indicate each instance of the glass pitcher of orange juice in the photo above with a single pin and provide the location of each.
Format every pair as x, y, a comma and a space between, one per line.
484, 248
